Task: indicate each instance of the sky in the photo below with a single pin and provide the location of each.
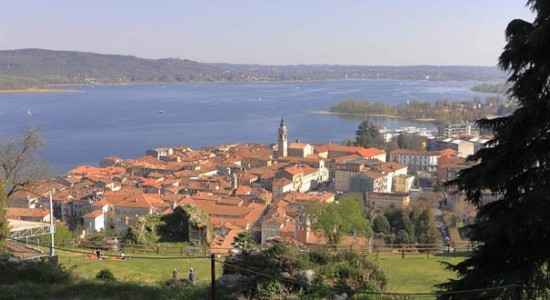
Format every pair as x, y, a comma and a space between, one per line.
281, 32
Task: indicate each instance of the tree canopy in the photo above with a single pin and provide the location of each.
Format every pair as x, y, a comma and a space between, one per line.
20, 163
339, 219
414, 225
513, 233
244, 241
177, 224
367, 136
142, 231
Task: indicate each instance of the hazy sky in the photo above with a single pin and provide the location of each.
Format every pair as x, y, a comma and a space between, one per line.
359, 32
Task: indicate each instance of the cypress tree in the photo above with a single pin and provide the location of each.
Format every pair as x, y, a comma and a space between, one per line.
513, 233
367, 136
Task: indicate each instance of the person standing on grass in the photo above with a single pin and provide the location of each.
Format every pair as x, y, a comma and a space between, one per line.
192, 275
174, 274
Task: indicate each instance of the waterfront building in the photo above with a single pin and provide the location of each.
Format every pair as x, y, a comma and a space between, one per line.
453, 130
419, 160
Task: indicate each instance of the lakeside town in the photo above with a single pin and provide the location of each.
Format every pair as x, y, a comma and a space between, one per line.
194, 150
254, 188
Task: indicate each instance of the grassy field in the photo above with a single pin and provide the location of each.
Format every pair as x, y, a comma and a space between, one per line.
415, 273
137, 269
141, 278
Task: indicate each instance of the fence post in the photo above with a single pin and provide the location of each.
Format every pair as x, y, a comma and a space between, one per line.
158, 248
402, 253
213, 276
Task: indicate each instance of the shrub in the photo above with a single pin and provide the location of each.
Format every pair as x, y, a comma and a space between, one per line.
105, 275
303, 262
271, 289
44, 271
319, 257
278, 250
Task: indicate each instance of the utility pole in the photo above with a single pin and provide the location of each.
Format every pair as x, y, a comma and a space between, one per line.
52, 228
213, 278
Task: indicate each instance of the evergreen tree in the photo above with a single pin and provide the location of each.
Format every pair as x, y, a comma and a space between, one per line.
513, 233
381, 225
411, 141
244, 241
4, 228
401, 141
403, 237
408, 226
426, 232
367, 136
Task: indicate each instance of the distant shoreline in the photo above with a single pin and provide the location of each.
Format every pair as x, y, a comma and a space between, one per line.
37, 91
326, 112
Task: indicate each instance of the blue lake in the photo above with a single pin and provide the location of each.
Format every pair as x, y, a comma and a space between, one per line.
126, 120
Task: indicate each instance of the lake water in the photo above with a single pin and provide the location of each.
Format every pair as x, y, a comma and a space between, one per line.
126, 120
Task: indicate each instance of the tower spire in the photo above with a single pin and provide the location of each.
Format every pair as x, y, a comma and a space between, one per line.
282, 141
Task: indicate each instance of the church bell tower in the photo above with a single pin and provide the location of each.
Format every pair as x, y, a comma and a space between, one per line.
282, 141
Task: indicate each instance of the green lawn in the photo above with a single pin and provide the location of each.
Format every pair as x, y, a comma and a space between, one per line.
415, 273
137, 269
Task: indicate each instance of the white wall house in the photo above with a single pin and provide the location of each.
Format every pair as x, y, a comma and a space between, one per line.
419, 160
94, 221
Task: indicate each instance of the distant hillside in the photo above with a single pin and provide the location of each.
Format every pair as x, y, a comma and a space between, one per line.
325, 72
36, 68
58, 67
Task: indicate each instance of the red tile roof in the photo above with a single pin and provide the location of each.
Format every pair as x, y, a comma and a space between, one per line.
427, 153
93, 214
17, 213
297, 146
281, 182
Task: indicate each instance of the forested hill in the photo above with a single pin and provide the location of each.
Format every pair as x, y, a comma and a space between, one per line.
325, 72
36, 67
58, 67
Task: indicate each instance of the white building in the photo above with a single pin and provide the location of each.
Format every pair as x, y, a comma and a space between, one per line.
94, 221
419, 160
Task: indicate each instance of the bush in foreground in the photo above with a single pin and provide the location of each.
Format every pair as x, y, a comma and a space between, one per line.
283, 271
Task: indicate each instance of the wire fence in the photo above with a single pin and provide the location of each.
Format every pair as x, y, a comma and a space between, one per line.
512, 291
143, 253
166, 249
185, 250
